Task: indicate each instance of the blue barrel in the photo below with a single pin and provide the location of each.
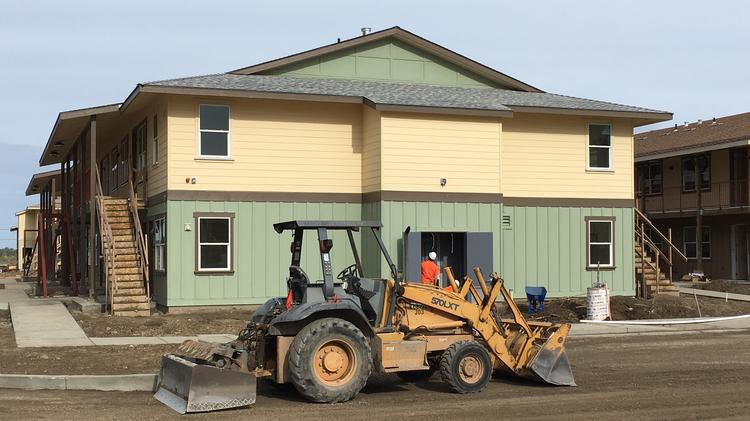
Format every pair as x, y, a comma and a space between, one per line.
535, 297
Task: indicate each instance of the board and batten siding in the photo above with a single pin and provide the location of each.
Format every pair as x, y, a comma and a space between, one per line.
260, 256
546, 155
418, 150
275, 146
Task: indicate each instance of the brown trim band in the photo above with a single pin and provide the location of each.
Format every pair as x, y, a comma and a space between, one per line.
250, 196
569, 202
412, 196
656, 116
157, 199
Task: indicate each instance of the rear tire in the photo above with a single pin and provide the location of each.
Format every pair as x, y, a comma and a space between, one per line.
466, 367
330, 361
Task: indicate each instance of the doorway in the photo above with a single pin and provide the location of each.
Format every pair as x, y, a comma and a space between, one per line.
462, 251
740, 258
738, 177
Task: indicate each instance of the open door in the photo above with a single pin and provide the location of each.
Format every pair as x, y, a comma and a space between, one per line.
739, 240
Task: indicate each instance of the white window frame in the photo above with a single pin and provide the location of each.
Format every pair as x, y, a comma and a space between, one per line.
155, 140
228, 245
686, 241
199, 154
611, 243
160, 245
589, 146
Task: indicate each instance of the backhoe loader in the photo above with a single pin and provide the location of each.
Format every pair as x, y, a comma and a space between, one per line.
327, 337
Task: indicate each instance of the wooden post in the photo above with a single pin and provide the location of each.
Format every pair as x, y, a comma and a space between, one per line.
699, 227
671, 262
65, 257
92, 209
644, 286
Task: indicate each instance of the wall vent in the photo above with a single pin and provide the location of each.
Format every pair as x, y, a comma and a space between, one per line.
506, 222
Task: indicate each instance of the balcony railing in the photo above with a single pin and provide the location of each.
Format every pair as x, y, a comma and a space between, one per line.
720, 196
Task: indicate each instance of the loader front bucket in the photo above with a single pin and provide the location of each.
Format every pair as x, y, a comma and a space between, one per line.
188, 385
550, 364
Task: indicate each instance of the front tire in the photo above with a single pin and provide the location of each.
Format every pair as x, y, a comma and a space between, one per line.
330, 361
466, 367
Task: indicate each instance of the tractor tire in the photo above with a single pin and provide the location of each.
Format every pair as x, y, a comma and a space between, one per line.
466, 367
330, 361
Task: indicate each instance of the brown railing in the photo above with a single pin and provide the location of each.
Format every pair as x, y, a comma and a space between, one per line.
721, 195
107, 245
140, 239
648, 248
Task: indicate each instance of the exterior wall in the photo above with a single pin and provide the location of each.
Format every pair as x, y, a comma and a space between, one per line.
371, 150
418, 150
546, 246
386, 60
261, 256
545, 155
27, 232
275, 146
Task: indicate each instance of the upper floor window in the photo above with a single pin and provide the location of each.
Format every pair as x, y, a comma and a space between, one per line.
124, 161
114, 169
139, 146
104, 174
600, 147
649, 178
696, 169
214, 131
155, 141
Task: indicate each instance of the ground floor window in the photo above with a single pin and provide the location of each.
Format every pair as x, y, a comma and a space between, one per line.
690, 244
160, 244
600, 235
214, 243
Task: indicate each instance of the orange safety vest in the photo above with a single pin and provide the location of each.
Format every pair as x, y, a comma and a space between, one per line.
430, 272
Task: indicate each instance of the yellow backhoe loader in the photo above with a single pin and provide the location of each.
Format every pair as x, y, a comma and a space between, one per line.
327, 337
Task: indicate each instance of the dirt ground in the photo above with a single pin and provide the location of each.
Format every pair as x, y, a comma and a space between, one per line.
680, 377
630, 308
76, 360
229, 321
722, 285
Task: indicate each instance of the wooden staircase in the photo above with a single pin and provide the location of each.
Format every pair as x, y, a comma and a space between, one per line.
126, 281
653, 266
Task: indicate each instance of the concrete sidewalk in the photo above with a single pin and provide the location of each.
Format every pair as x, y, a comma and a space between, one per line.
603, 329
13, 292
45, 323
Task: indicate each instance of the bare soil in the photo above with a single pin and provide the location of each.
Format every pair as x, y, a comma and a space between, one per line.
630, 308
228, 321
722, 285
76, 360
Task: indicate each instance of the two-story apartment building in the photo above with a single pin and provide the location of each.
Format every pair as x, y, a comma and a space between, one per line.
696, 169
451, 155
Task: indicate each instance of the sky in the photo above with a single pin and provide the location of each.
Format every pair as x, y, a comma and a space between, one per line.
687, 57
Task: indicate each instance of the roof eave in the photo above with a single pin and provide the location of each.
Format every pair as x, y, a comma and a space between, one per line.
641, 118
715, 146
69, 115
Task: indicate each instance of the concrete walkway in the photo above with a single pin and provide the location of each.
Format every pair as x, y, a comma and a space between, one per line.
603, 329
45, 323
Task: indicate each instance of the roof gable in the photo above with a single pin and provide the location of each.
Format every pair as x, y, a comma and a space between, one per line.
393, 55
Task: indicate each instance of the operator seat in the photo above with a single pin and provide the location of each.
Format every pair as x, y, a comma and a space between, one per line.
297, 283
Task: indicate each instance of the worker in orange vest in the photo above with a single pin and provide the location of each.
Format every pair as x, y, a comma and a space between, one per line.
430, 270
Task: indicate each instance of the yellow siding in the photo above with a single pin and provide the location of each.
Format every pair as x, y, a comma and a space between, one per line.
418, 150
546, 155
275, 146
371, 153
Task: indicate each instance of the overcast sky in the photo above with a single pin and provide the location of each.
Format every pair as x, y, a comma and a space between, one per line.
688, 57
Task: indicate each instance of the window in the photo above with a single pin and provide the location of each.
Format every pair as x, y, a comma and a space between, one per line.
159, 236
214, 131
115, 165
124, 161
155, 141
600, 147
650, 178
214, 236
104, 174
600, 234
139, 146
689, 244
689, 177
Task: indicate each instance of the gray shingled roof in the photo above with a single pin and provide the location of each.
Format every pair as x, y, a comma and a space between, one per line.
398, 93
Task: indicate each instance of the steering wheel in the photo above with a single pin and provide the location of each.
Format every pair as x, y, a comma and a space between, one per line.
348, 272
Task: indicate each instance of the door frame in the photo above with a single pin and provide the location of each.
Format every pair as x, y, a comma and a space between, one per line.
733, 250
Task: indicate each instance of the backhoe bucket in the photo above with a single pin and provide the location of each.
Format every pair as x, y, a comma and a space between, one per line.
550, 364
188, 385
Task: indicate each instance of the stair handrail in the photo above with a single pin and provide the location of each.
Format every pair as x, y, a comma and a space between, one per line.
140, 238
655, 265
667, 241
107, 245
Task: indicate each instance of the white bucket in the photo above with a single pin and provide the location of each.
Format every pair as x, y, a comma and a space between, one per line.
597, 303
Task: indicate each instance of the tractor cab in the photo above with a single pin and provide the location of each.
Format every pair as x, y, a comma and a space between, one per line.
349, 284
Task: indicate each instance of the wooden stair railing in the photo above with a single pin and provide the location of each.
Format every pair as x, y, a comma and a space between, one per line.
108, 246
659, 256
140, 239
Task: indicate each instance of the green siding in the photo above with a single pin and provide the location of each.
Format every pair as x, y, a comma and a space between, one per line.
386, 60
546, 246
541, 246
261, 256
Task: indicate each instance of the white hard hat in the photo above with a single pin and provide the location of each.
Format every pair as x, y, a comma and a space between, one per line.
432, 255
